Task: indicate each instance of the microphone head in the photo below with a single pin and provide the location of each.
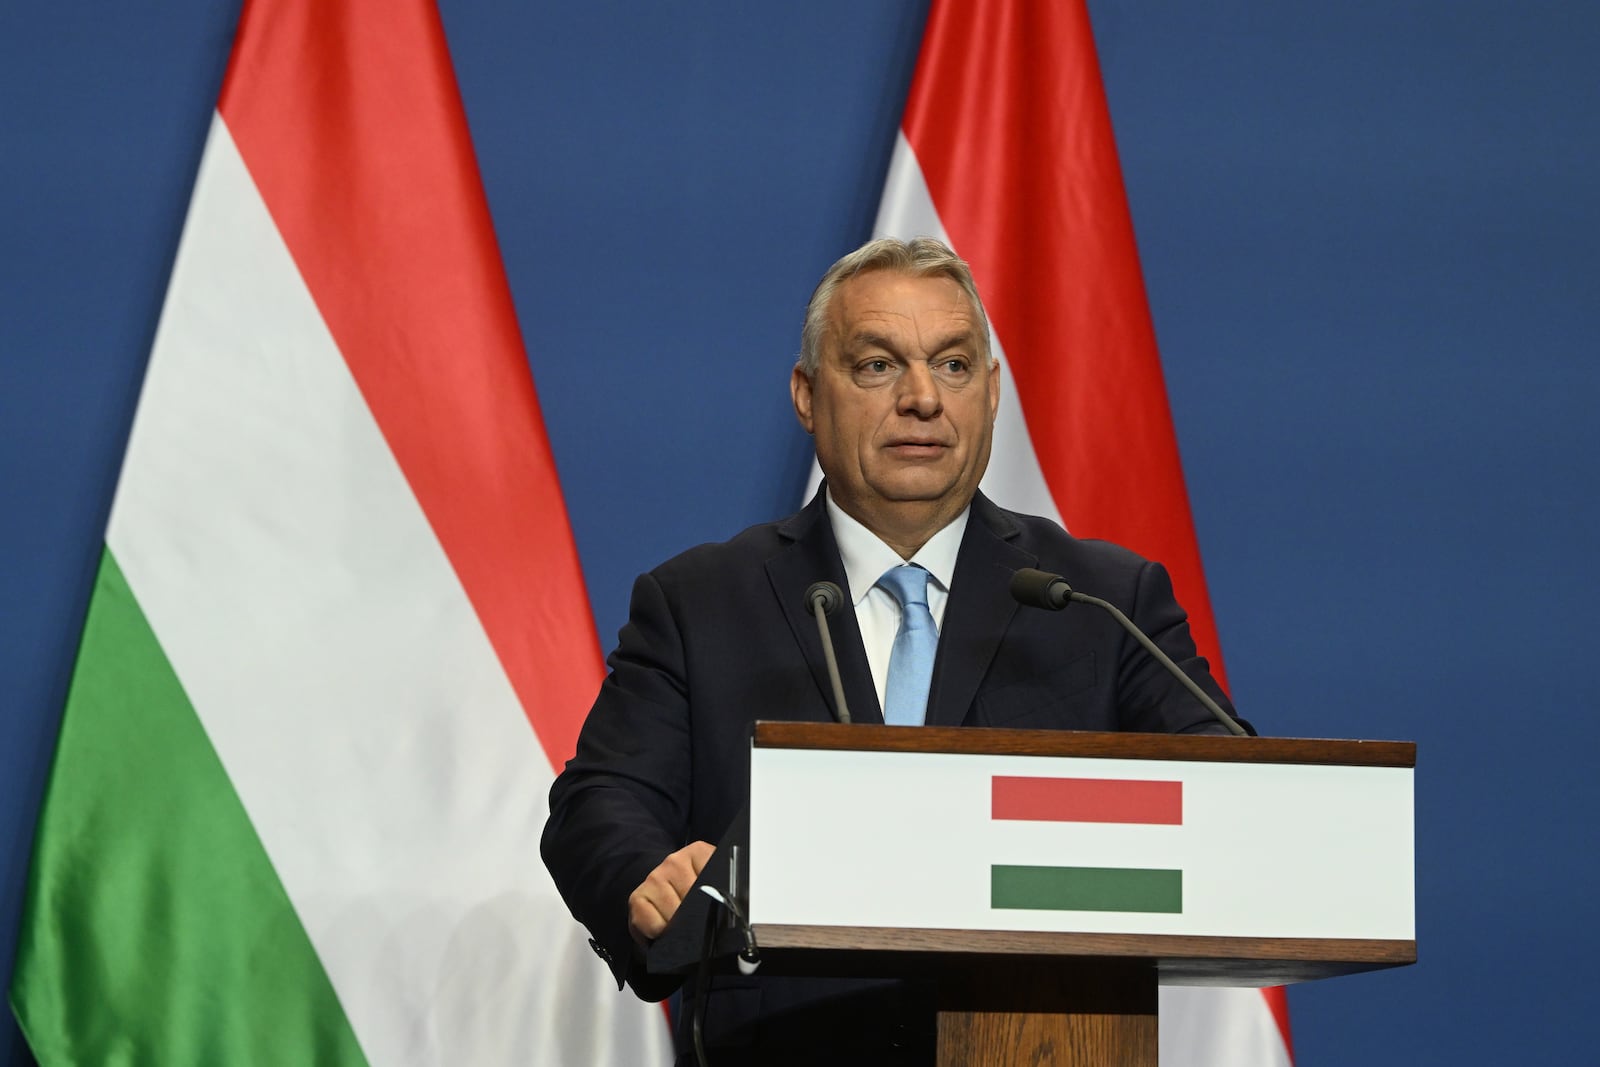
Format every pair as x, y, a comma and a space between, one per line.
827, 594
1040, 589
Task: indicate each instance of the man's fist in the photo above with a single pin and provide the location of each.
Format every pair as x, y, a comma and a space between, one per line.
656, 900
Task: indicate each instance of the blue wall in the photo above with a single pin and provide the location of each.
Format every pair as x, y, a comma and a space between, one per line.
1372, 243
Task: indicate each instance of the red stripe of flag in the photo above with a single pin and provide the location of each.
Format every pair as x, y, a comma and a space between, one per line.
1087, 800
375, 190
1009, 123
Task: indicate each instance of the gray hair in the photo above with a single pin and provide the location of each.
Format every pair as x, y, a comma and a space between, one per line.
920, 257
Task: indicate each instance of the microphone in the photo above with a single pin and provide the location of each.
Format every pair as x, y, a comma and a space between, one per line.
1041, 589
822, 600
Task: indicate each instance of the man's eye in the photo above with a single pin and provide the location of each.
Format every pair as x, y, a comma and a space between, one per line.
875, 366
954, 367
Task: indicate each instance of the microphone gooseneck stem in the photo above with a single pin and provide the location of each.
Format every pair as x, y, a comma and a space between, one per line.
1166, 661
841, 710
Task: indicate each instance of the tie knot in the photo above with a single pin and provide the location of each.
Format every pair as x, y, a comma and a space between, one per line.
907, 584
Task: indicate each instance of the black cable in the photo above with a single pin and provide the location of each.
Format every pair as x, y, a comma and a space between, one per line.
702, 986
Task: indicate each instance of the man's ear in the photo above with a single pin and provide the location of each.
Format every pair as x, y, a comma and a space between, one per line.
800, 393
994, 390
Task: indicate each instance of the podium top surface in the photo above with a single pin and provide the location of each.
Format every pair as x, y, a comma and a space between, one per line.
1203, 748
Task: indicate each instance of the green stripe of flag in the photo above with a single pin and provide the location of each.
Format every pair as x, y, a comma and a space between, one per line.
155, 928
1086, 889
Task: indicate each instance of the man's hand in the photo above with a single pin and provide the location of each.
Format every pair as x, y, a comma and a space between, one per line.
656, 900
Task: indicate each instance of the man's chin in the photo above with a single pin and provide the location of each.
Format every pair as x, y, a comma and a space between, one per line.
928, 490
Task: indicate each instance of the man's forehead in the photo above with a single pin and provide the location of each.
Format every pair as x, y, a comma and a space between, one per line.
890, 294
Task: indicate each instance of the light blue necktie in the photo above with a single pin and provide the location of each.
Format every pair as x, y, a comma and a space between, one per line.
905, 699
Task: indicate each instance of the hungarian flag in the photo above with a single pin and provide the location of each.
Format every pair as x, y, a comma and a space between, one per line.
1006, 153
339, 636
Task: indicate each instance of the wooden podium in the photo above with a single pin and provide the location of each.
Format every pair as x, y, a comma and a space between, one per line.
1049, 881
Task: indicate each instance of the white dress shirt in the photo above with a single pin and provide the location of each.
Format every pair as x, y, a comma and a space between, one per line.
866, 557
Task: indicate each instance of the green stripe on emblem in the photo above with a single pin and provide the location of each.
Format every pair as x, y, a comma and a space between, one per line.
1086, 889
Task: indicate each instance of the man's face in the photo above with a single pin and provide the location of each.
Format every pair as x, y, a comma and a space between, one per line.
902, 405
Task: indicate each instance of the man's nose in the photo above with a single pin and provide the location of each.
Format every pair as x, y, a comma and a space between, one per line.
918, 391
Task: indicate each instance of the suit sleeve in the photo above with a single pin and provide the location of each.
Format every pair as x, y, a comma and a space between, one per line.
621, 805
1150, 699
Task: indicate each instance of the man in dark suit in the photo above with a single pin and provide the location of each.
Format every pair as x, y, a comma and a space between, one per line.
897, 385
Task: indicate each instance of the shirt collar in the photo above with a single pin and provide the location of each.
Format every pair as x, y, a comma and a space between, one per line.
866, 556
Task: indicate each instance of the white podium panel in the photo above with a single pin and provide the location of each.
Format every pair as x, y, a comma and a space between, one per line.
976, 841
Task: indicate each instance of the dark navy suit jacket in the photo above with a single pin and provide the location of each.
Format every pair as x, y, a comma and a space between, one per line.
719, 637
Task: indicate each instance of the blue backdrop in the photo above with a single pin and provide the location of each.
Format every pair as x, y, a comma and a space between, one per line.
1372, 243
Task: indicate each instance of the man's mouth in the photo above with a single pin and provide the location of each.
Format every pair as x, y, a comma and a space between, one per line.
916, 447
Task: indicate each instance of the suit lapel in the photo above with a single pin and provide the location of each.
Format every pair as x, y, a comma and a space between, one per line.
978, 611
811, 556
